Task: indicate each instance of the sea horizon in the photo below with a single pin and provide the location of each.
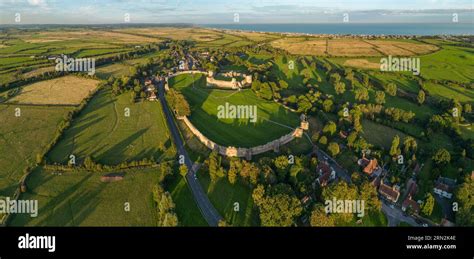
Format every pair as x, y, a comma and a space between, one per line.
353, 28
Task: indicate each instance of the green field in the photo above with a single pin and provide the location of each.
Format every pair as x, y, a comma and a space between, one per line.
380, 135
452, 63
450, 92
81, 199
105, 133
186, 208
21, 138
223, 195
240, 133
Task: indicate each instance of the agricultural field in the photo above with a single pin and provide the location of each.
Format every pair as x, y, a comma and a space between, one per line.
67, 90
352, 47
123, 68
25, 53
104, 132
273, 120
22, 138
299, 46
79, 198
254, 36
196, 34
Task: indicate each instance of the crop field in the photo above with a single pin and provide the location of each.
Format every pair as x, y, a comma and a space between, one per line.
25, 54
21, 138
301, 47
197, 34
67, 90
254, 36
104, 132
100, 35
80, 199
122, 68
351, 47
273, 120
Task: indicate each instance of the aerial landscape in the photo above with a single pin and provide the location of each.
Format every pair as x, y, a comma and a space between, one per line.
235, 123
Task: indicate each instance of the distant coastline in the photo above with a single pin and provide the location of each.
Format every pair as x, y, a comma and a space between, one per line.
411, 29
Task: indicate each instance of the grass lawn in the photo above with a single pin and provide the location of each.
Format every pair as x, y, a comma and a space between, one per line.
452, 63
186, 208
380, 135
239, 132
223, 195
21, 138
104, 132
81, 199
374, 219
450, 92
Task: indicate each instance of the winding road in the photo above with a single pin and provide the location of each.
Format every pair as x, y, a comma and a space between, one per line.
208, 211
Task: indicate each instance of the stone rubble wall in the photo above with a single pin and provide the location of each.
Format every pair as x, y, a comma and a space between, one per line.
212, 82
238, 151
234, 151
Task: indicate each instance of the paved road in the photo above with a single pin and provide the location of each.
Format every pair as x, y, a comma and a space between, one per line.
208, 211
395, 216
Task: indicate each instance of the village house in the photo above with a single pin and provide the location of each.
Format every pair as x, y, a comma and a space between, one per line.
391, 193
444, 187
370, 166
410, 204
325, 173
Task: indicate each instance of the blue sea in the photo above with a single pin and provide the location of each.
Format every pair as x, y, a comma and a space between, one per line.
357, 28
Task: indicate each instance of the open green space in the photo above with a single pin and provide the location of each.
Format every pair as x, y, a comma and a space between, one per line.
273, 120
22, 138
80, 199
451, 63
224, 197
186, 208
105, 132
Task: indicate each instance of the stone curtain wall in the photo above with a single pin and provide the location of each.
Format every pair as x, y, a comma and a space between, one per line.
212, 82
235, 151
242, 152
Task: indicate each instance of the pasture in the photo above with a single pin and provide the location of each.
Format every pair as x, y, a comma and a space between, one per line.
21, 138
450, 63
79, 198
104, 132
273, 121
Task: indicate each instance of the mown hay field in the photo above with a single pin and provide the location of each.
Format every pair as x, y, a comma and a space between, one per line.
67, 90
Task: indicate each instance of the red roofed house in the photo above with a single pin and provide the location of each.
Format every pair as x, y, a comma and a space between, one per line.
326, 174
390, 193
408, 203
371, 167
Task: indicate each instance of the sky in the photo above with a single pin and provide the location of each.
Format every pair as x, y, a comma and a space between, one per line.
226, 11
